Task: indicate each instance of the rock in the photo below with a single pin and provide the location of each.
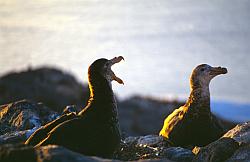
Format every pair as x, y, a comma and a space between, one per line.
144, 115
70, 109
50, 86
154, 160
24, 115
241, 155
149, 140
14, 137
53, 153
133, 152
17, 152
50, 153
178, 154
152, 147
20, 119
219, 150
240, 133
130, 150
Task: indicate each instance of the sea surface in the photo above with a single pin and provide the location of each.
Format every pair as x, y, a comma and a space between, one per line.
161, 41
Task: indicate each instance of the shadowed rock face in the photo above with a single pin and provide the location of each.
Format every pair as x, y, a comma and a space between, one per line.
20, 119
219, 150
17, 152
232, 146
143, 115
152, 147
24, 115
242, 154
53, 87
53, 153
178, 154
50, 153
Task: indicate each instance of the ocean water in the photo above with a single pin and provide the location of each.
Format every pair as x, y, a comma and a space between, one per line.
161, 41
231, 111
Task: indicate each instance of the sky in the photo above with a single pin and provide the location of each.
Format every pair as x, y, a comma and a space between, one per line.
161, 41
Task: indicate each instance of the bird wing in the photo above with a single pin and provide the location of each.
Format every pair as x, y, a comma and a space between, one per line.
42, 133
171, 121
58, 133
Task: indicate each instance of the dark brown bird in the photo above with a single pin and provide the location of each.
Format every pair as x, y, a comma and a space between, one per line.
95, 130
193, 124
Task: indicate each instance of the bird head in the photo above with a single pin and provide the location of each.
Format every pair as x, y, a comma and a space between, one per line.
102, 68
203, 74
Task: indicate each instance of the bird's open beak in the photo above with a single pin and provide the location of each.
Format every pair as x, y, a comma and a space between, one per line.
112, 62
218, 70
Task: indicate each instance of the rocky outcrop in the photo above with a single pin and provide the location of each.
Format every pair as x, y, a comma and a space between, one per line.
219, 150
241, 155
232, 146
16, 136
240, 133
178, 154
24, 115
148, 140
50, 153
152, 147
50, 86
20, 119
142, 147
144, 115
53, 153
17, 152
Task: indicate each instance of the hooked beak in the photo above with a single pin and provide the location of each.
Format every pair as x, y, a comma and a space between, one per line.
112, 62
218, 70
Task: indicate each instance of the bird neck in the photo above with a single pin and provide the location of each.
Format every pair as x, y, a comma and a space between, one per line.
102, 101
101, 93
199, 99
101, 90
